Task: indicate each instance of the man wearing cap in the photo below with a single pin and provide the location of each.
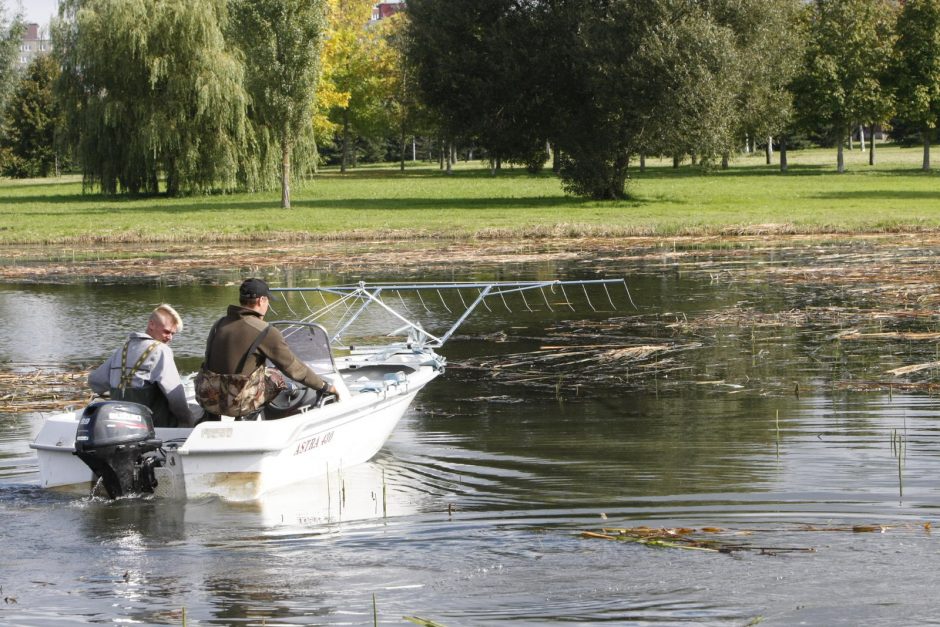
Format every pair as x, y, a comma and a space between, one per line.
233, 335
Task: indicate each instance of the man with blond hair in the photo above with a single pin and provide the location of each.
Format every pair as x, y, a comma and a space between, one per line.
143, 371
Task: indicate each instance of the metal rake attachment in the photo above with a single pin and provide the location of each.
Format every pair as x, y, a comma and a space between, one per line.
349, 303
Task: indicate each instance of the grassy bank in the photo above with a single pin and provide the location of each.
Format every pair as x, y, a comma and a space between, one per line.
750, 197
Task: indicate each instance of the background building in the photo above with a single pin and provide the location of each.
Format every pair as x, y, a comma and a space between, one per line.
35, 42
383, 10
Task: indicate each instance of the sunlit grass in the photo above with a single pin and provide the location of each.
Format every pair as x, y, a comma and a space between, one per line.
380, 201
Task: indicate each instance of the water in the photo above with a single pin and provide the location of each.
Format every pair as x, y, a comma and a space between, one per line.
473, 512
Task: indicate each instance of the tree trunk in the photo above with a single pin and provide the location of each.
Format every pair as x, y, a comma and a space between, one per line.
840, 157
449, 148
492, 166
414, 148
783, 153
440, 158
926, 135
769, 150
556, 160
675, 161
861, 137
642, 162
401, 162
285, 170
725, 160
345, 159
871, 146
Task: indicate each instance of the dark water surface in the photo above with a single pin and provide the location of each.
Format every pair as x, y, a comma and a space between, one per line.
761, 422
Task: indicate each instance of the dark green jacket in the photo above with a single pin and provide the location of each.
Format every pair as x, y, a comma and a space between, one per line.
233, 337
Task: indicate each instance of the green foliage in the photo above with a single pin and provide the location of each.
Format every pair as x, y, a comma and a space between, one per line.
768, 46
485, 70
11, 33
28, 144
602, 80
917, 71
652, 76
280, 41
150, 91
361, 69
847, 59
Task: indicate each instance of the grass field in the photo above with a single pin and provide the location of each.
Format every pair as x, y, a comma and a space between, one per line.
379, 201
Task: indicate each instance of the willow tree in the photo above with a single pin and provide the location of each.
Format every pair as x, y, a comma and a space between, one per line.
281, 42
11, 31
151, 92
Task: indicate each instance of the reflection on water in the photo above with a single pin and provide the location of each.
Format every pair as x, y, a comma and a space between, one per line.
471, 515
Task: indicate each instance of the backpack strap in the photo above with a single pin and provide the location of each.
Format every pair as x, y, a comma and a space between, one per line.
127, 374
252, 348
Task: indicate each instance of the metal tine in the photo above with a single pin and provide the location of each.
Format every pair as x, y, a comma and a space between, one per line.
306, 304
505, 304
422, 301
567, 300
547, 304
609, 299
403, 303
629, 296
462, 301
524, 301
584, 287
441, 296
287, 304
480, 291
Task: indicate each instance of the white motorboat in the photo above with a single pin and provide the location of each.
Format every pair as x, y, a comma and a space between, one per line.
300, 436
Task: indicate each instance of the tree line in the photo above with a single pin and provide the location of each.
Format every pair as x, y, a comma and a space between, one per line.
196, 96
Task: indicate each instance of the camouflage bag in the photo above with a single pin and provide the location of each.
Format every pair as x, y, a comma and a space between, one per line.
237, 394
232, 394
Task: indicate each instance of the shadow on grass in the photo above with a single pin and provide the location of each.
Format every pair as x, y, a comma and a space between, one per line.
111, 206
875, 194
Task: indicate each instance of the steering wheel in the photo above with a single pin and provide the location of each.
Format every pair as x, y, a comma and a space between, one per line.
291, 400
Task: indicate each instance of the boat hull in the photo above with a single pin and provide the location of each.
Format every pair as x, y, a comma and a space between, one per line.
242, 460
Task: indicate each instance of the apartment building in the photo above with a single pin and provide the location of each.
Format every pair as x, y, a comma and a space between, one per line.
35, 42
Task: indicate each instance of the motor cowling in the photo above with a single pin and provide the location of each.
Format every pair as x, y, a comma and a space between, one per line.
115, 439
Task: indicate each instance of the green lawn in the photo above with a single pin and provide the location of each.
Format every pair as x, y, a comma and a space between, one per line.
894, 195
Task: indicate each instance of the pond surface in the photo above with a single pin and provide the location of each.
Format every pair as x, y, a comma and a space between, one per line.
764, 417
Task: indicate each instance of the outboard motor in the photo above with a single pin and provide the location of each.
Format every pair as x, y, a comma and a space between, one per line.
114, 439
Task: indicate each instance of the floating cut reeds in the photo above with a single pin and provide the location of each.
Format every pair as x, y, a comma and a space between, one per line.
719, 540
25, 389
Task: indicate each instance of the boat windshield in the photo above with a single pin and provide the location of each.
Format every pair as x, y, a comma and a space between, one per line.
311, 343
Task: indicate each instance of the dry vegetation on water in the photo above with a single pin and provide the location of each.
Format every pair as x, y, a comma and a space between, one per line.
24, 388
870, 300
